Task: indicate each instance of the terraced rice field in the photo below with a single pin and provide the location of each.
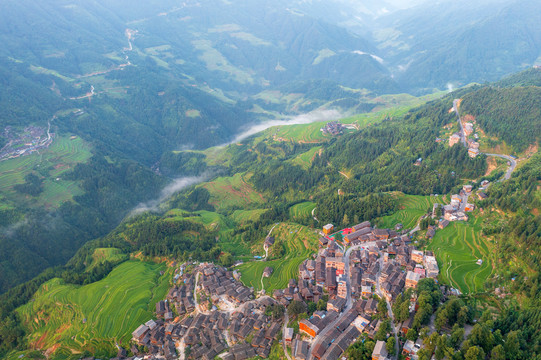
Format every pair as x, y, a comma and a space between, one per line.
227, 192
457, 248
61, 156
69, 319
305, 159
411, 208
300, 243
302, 210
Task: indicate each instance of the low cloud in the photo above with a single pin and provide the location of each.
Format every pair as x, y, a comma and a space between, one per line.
308, 118
176, 185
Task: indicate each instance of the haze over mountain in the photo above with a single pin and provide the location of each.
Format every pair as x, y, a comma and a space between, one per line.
139, 134
138, 81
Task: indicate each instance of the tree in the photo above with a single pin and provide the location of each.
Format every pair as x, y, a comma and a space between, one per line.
497, 353
474, 353
424, 354
345, 220
312, 306
338, 237
412, 335
512, 345
390, 345
382, 307
441, 319
321, 305
404, 312
296, 308
226, 259
482, 336
383, 330
457, 336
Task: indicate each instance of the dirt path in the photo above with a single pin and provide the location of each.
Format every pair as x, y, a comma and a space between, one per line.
344, 175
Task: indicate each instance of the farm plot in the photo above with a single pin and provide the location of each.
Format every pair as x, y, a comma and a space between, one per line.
299, 241
411, 208
63, 154
68, 319
228, 192
302, 210
458, 247
305, 159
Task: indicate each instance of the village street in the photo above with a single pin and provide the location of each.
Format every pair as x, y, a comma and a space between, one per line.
389, 308
349, 298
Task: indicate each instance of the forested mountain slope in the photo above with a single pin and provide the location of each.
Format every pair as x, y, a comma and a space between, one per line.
344, 179
439, 43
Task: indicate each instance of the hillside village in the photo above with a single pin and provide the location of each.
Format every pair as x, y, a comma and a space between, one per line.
209, 312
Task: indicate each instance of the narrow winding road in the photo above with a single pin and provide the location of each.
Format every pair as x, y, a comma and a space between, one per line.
461, 133
512, 166
512, 161
265, 258
195, 293
315, 218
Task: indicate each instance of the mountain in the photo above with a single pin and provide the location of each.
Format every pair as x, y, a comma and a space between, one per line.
371, 172
436, 44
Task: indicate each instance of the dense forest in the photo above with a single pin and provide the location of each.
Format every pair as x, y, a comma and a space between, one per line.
511, 114
520, 234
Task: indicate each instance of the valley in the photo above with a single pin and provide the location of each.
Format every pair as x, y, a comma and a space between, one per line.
244, 180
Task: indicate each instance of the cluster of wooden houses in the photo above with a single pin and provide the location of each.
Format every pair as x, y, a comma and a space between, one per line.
359, 319
333, 128
203, 332
157, 337
387, 258
220, 286
226, 316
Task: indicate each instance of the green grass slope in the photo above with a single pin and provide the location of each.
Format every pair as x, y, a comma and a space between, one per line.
300, 242
235, 191
68, 319
412, 207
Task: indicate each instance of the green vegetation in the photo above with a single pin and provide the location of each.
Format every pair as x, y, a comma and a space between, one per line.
244, 216
493, 107
411, 208
101, 255
69, 319
232, 192
457, 249
302, 210
305, 160
49, 165
300, 242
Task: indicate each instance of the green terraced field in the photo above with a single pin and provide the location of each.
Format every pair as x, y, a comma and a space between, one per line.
61, 156
302, 210
305, 159
227, 192
69, 319
411, 208
105, 254
457, 248
300, 243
